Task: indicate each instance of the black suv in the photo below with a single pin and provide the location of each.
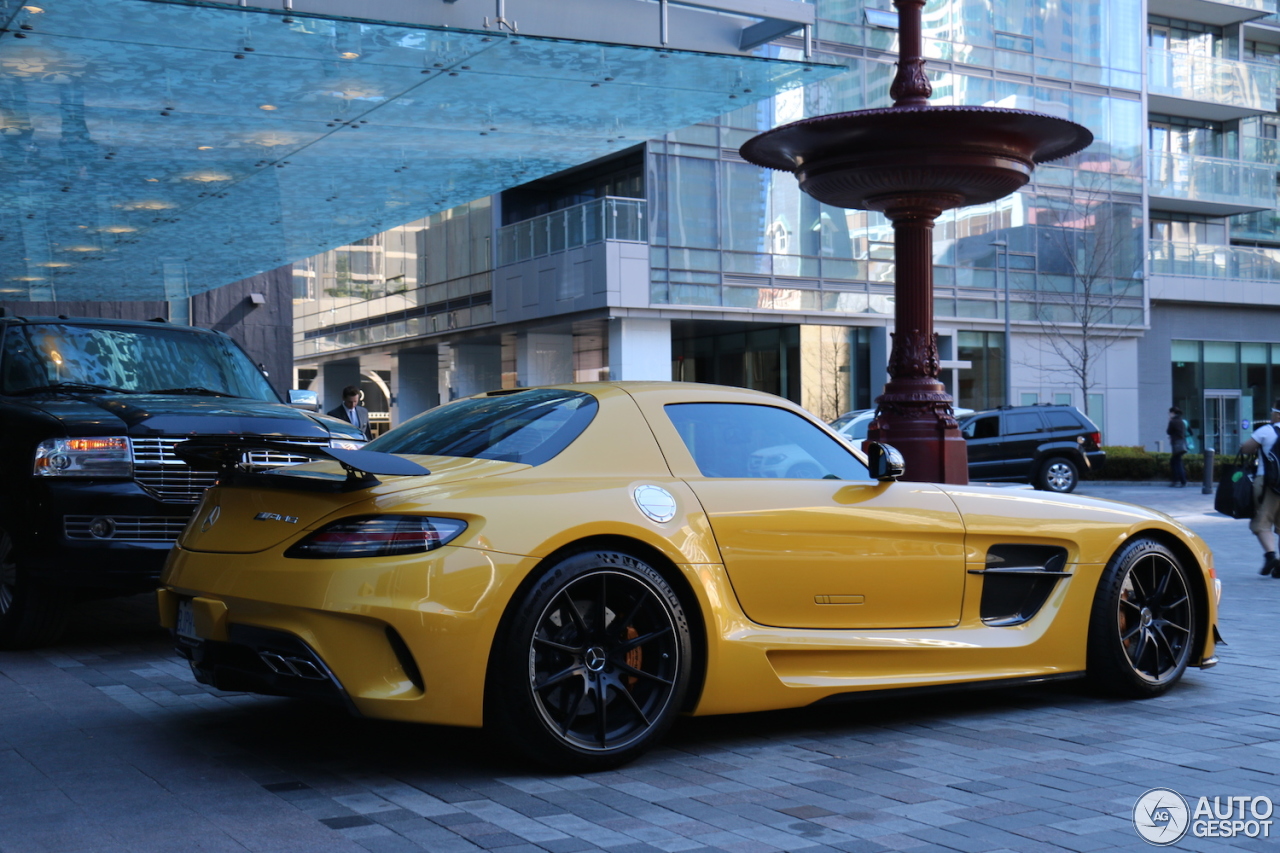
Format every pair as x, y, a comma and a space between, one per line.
1047, 446
92, 495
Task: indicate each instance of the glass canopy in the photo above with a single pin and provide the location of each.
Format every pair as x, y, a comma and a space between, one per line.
149, 150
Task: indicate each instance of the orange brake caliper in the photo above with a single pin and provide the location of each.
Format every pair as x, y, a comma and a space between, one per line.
634, 657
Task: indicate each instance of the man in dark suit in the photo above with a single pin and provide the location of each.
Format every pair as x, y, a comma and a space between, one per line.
352, 412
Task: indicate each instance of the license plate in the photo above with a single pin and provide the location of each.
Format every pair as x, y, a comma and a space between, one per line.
186, 620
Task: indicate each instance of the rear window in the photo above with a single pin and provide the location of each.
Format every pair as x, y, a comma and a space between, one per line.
1020, 423
530, 427
1062, 420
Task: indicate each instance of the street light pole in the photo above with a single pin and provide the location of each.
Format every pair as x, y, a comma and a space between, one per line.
1002, 246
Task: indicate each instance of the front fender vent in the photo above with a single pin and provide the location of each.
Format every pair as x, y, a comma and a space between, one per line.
1017, 581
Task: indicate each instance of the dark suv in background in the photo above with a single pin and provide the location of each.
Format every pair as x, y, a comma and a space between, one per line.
92, 495
1045, 445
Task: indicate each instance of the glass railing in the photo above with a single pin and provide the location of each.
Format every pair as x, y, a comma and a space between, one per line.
1263, 225
1210, 179
609, 218
1256, 149
1246, 85
1221, 262
1251, 5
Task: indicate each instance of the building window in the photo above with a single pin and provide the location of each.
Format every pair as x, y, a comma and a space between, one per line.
982, 383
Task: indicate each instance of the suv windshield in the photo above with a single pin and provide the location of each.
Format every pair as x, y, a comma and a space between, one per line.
128, 359
527, 426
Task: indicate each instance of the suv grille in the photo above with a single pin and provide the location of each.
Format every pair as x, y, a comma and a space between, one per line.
125, 528
159, 470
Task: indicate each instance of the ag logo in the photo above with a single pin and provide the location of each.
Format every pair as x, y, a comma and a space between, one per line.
1161, 816
275, 516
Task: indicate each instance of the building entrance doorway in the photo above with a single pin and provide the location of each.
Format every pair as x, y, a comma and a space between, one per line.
1222, 408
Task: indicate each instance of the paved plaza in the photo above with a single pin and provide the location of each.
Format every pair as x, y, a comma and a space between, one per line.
108, 744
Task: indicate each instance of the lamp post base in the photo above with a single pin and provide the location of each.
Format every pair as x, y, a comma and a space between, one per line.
916, 418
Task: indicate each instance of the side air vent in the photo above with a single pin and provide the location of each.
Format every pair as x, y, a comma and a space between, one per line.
1017, 581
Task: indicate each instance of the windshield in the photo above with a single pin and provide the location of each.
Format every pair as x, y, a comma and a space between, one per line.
527, 426
128, 359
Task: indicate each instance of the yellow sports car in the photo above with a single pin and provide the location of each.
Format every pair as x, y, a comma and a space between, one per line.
574, 566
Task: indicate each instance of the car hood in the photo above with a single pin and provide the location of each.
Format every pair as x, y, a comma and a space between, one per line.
169, 415
244, 519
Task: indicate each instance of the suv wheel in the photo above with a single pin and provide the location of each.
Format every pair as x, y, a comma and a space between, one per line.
1058, 474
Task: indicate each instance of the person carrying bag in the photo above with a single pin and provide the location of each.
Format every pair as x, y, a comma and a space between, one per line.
1235, 493
1265, 441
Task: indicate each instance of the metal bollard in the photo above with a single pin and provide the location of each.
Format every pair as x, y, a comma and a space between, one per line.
1207, 488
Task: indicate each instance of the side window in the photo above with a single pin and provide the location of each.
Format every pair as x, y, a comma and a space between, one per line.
743, 440
988, 427
1020, 423
1062, 420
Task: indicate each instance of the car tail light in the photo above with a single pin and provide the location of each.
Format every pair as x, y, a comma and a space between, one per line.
377, 536
1095, 437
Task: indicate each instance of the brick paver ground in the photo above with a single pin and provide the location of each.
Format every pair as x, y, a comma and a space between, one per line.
108, 744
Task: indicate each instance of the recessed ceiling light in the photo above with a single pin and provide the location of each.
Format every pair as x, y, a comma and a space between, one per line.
118, 229
204, 147
349, 55
53, 264
207, 177
153, 180
267, 107
148, 204
27, 278
79, 248
35, 10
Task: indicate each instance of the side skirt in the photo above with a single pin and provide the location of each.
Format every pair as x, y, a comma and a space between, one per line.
932, 689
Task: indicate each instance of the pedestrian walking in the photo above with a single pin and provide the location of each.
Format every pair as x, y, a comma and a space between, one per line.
1266, 518
352, 412
1177, 432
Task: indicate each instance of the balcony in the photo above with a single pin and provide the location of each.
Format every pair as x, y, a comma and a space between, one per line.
1212, 186
1214, 262
609, 218
1220, 13
1208, 88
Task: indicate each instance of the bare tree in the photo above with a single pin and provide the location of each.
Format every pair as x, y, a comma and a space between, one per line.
1094, 242
825, 358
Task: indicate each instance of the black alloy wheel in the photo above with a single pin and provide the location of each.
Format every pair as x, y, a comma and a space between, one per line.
595, 665
1142, 630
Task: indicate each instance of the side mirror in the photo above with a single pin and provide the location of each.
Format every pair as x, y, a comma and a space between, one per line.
308, 400
884, 461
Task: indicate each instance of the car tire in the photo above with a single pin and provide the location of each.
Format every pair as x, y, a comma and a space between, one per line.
595, 624
31, 614
1142, 628
1058, 474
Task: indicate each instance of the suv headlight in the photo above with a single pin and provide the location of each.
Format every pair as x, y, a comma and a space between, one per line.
345, 444
83, 457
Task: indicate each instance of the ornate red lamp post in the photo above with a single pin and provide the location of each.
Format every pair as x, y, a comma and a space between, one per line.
912, 161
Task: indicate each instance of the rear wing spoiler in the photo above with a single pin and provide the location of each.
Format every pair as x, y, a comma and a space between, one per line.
226, 456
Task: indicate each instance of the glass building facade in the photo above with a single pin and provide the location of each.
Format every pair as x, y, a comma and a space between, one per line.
729, 273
